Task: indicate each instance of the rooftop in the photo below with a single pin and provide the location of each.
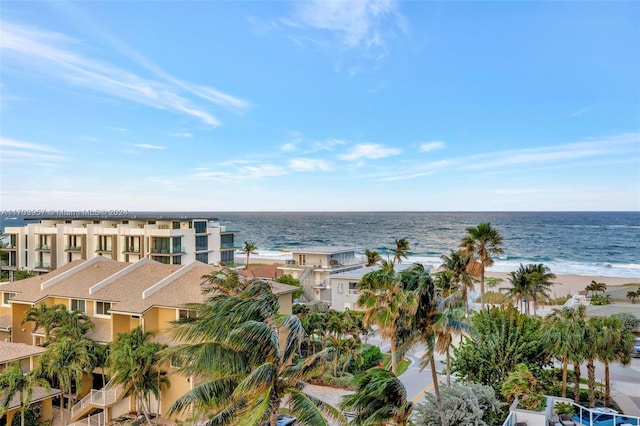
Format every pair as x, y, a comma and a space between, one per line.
325, 249
11, 351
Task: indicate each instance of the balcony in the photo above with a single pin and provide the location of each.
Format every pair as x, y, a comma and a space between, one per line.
43, 247
100, 248
173, 250
7, 263
230, 246
10, 247
72, 248
131, 250
230, 229
43, 265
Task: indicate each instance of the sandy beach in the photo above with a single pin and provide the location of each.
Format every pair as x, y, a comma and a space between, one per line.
571, 284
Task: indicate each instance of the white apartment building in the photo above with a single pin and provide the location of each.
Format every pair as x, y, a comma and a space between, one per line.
313, 266
49, 243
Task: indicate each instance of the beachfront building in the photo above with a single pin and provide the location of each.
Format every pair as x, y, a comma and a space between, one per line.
118, 296
344, 285
49, 243
314, 265
41, 401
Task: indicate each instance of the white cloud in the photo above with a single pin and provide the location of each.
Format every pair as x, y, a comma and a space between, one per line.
357, 23
181, 134
600, 147
327, 144
430, 146
290, 146
148, 146
309, 165
370, 151
27, 152
55, 55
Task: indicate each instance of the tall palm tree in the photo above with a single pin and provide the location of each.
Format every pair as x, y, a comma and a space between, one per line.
14, 382
373, 257
616, 345
559, 340
246, 355
401, 251
578, 338
480, 243
249, 248
66, 360
386, 304
519, 287
380, 399
133, 361
452, 324
457, 264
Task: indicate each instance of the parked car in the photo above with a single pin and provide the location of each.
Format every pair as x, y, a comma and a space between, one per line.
636, 348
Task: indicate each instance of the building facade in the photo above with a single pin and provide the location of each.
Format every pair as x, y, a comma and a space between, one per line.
314, 265
49, 243
118, 297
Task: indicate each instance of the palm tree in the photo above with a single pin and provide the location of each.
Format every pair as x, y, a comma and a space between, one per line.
577, 341
616, 345
380, 399
45, 317
57, 321
480, 243
457, 263
246, 355
401, 251
67, 360
14, 382
453, 324
249, 248
539, 277
596, 287
386, 304
633, 295
373, 257
133, 361
225, 281
519, 287
559, 340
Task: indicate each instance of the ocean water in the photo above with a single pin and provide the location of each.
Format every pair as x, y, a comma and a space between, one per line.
582, 243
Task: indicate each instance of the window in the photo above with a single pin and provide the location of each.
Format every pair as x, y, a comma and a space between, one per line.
5, 298
102, 309
78, 305
201, 227
202, 257
151, 222
186, 314
177, 260
353, 288
202, 242
176, 224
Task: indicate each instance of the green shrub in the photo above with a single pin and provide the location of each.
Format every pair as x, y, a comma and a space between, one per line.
345, 381
29, 418
369, 356
599, 299
493, 297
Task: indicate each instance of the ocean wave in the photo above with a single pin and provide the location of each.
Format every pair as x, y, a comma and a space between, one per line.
562, 267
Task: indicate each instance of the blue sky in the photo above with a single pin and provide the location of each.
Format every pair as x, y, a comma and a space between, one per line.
320, 105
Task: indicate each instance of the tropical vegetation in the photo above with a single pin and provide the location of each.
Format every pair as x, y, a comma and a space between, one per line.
480, 243
246, 356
